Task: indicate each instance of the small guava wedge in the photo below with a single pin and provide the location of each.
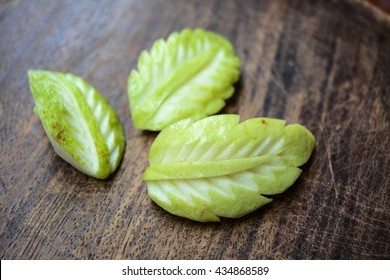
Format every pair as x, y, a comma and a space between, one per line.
217, 167
81, 125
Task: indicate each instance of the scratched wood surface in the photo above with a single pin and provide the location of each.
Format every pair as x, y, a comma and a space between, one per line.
324, 64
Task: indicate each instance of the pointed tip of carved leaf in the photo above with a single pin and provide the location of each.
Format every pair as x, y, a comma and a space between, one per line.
81, 125
189, 75
218, 167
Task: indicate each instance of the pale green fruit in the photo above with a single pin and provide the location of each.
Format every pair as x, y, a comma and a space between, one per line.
81, 125
218, 167
190, 75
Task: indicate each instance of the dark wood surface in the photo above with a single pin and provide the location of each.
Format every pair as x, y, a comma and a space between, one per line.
324, 64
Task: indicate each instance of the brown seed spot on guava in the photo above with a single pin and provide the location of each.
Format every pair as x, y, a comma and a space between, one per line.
264, 121
59, 133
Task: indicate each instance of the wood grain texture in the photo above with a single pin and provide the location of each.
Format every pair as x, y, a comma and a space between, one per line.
324, 64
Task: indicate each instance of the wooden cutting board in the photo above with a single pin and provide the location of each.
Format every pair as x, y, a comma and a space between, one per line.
324, 64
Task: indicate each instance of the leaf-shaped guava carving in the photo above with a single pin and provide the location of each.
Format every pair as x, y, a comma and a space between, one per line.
218, 167
190, 75
81, 125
